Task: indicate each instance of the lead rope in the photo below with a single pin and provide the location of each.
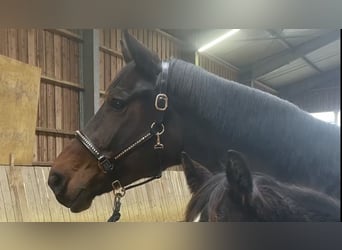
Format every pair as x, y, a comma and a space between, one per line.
122, 191
116, 211
119, 191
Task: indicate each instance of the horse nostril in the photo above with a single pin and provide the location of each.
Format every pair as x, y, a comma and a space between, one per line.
56, 182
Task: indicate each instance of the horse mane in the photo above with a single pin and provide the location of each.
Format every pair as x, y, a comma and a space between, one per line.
299, 147
209, 197
270, 201
274, 200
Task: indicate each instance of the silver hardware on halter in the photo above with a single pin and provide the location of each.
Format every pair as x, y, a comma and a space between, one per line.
159, 145
118, 190
164, 99
103, 162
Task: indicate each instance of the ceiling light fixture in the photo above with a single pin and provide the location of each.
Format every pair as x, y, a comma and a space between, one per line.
218, 40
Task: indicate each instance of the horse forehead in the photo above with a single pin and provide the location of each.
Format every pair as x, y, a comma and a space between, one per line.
125, 76
128, 84
125, 84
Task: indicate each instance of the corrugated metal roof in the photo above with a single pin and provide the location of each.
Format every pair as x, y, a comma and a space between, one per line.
250, 48
247, 46
289, 73
326, 57
299, 36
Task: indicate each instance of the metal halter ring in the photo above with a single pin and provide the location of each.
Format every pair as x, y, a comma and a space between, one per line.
161, 97
118, 190
162, 128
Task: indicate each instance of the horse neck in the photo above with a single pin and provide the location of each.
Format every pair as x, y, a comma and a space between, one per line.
202, 143
221, 114
275, 201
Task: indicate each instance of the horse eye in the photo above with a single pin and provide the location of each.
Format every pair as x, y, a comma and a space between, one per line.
117, 104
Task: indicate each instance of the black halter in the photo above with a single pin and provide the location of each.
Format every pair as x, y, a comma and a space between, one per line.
156, 129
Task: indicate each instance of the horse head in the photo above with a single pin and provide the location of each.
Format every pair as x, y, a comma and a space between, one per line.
218, 197
120, 141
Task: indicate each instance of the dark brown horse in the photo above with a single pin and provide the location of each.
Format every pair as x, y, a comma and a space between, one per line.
153, 111
238, 195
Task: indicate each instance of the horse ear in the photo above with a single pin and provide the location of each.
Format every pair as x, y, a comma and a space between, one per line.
238, 174
125, 52
147, 62
196, 175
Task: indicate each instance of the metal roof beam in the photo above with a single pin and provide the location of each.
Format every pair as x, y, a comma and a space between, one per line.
287, 45
272, 63
310, 83
265, 87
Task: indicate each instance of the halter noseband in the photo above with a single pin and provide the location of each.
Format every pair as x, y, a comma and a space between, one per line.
157, 129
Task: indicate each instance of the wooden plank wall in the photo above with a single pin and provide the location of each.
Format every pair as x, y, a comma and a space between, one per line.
25, 197
24, 194
57, 53
216, 67
111, 60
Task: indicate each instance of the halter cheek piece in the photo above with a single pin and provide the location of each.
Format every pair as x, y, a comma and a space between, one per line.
156, 129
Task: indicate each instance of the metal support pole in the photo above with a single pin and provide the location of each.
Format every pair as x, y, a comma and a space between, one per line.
90, 74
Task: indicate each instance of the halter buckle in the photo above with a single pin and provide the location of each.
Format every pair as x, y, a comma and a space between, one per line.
161, 102
105, 163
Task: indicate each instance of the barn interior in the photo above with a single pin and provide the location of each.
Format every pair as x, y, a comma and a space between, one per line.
299, 65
